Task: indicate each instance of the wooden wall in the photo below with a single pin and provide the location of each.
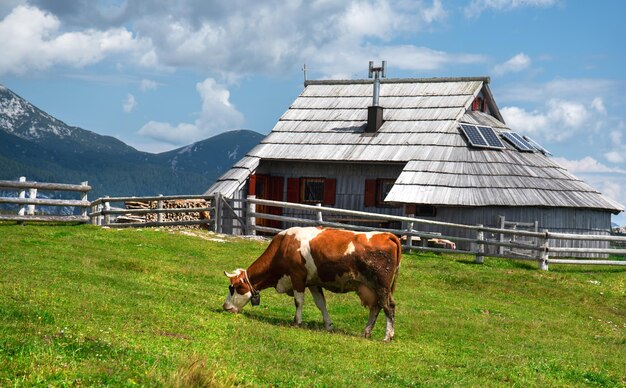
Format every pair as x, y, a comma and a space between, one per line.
350, 195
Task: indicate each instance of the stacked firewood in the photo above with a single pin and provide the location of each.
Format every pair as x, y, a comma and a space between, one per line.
166, 217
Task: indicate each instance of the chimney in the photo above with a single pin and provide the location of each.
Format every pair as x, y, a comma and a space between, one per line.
375, 112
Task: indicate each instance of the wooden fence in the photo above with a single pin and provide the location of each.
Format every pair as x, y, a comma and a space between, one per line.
246, 218
27, 210
102, 212
226, 216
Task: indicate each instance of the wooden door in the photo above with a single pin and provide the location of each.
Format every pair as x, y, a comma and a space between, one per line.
269, 187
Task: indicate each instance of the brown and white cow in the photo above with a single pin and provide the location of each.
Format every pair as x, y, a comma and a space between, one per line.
316, 258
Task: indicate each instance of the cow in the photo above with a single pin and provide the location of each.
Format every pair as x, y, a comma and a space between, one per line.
317, 258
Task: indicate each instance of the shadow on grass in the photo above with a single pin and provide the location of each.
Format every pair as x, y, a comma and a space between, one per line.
311, 325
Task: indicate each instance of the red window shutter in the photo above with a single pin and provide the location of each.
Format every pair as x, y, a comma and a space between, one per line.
330, 189
369, 199
293, 190
252, 185
277, 184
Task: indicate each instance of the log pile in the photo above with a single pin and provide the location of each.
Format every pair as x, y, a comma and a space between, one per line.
166, 217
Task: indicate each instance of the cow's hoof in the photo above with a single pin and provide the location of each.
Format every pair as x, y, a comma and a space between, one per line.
388, 339
366, 334
328, 327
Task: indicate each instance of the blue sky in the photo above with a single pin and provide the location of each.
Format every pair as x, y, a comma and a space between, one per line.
162, 74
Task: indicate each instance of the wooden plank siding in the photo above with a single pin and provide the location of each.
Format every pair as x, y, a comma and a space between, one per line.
563, 220
350, 184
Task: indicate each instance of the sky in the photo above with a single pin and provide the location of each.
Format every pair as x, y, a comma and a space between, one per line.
161, 74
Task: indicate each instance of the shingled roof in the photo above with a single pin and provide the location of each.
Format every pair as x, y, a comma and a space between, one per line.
421, 131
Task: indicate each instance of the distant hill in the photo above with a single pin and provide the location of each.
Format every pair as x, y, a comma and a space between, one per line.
42, 148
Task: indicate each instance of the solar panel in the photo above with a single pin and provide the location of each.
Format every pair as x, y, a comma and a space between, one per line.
473, 135
537, 146
490, 136
518, 141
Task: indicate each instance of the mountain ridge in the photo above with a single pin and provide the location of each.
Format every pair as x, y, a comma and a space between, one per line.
43, 148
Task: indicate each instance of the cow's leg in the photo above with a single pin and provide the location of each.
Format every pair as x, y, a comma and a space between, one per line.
298, 298
374, 310
320, 302
389, 307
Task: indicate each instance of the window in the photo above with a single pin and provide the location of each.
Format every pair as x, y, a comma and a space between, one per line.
420, 210
478, 104
376, 191
383, 187
312, 190
425, 211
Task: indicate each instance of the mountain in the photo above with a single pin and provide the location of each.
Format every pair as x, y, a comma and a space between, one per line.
42, 148
225, 149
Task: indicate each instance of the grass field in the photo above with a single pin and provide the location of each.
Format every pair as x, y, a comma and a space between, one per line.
81, 305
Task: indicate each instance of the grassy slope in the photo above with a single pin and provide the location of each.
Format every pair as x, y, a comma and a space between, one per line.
91, 306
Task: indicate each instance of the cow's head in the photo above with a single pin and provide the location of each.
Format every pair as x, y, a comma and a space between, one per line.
240, 291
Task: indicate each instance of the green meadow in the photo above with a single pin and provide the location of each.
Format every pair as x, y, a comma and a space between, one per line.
86, 306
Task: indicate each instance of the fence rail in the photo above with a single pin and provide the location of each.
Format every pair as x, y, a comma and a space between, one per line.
243, 215
539, 251
27, 212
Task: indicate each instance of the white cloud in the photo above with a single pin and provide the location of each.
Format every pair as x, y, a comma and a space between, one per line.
587, 165
36, 42
559, 120
516, 64
180, 134
477, 7
598, 105
129, 104
331, 37
218, 115
434, 13
147, 84
615, 156
523, 121
579, 89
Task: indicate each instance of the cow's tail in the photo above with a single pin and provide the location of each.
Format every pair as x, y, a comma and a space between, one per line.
396, 240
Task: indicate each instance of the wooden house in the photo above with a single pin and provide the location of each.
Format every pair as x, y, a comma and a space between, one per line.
433, 148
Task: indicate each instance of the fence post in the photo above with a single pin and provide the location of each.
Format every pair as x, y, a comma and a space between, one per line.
22, 195
107, 207
92, 219
409, 237
320, 219
83, 197
32, 193
502, 225
100, 219
480, 247
250, 219
543, 253
160, 207
218, 213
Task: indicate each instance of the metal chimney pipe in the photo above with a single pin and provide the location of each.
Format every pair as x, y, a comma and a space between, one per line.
375, 112
376, 90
